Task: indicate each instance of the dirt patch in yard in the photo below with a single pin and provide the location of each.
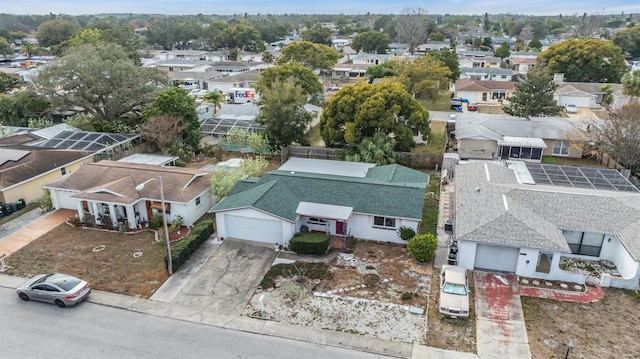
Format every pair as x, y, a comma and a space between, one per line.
608, 328
377, 290
76, 251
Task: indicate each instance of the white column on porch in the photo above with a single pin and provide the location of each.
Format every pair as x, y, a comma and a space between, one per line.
131, 217
80, 211
96, 212
113, 215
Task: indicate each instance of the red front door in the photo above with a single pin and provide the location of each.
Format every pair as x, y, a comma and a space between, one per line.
339, 227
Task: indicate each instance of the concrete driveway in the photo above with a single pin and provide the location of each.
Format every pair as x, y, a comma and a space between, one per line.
500, 328
219, 291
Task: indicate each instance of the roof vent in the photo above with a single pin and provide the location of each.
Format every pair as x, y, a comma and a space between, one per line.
478, 189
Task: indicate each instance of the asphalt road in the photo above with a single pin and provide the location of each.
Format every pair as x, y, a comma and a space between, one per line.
40, 330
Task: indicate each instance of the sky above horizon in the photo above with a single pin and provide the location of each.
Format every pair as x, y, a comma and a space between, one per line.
347, 7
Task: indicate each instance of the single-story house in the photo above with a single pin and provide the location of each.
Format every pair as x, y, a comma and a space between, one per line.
179, 64
30, 159
483, 136
233, 80
105, 193
486, 74
536, 220
484, 61
588, 95
523, 65
485, 92
370, 59
338, 198
346, 72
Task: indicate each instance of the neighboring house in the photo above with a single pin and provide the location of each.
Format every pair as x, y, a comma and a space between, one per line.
536, 220
485, 92
523, 65
474, 53
370, 59
433, 46
340, 43
483, 61
237, 66
588, 95
198, 77
337, 198
179, 64
105, 193
30, 159
234, 80
347, 72
486, 74
229, 117
504, 137
396, 48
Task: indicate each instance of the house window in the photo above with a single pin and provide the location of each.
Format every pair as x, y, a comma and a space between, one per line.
198, 201
384, 222
316, 221
63, 171
498, 94
561, 148
584, 243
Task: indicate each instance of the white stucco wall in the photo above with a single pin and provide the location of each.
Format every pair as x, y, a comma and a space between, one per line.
614, 251
525, 269
361, 226
467, 254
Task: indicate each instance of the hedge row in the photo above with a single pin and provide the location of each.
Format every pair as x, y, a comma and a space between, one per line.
182, 250
309, 243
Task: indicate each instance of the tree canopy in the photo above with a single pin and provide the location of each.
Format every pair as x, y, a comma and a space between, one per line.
303, 77
533, 97
100, 79
378, 150
449, 59
618, 134
282, 113
318, 34
175, 102
413, 27
631, 83
309, 54
371, 42
54, 32
359, 111
241, 36
585, 60
629, 40
8, 82
424, 77
503, 51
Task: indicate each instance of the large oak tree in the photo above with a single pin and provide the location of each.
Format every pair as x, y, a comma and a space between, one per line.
99, 79
359, 111
585, 60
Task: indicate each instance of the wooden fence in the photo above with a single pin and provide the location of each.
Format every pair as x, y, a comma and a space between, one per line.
425, 161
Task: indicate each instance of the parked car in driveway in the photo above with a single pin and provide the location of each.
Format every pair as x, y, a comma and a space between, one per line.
569, 108
472, 106
454, 291
60, 289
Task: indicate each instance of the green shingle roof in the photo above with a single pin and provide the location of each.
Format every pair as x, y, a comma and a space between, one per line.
391, 190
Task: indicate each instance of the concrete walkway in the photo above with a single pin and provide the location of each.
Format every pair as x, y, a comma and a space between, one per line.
500, 328
32, 229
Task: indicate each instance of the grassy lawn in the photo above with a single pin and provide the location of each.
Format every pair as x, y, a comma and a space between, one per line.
443, 103
314, 137
431, 205
70, 250
437, 141
564, 161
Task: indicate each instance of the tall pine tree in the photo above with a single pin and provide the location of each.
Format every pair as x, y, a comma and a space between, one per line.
533, 97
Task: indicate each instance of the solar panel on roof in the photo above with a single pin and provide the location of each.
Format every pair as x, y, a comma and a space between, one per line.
581, 177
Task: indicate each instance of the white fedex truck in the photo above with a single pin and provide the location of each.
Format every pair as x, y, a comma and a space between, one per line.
241, 95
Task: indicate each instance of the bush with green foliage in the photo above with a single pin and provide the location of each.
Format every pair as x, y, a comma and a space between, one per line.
423, 247
309, 243
181, 251
156, 221
406, 233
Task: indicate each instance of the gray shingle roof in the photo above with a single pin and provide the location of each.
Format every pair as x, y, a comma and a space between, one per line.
534, 214
391, 190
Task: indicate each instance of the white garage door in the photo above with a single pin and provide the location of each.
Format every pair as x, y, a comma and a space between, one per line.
253, 229
579, 101
64, 200
497, 258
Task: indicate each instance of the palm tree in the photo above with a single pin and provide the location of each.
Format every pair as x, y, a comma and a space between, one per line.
215, 98
378, 150
267, 57
28, 48
631, 83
